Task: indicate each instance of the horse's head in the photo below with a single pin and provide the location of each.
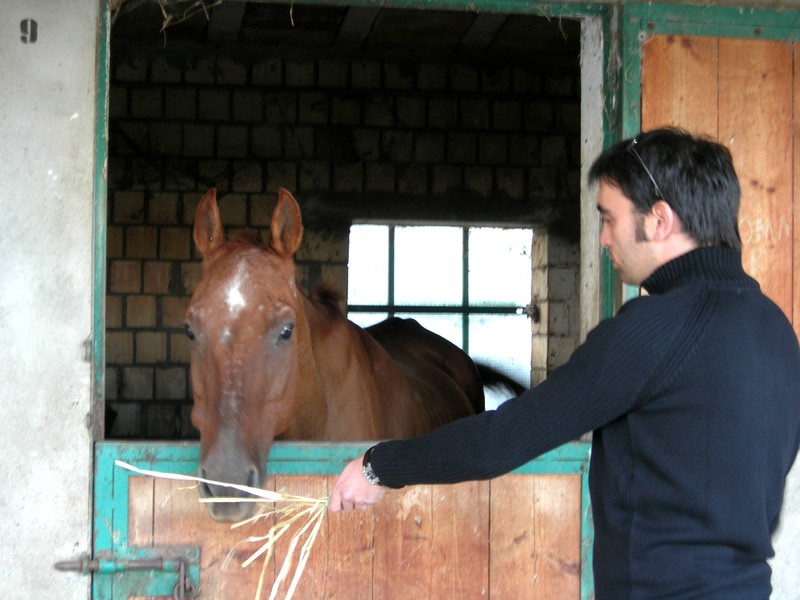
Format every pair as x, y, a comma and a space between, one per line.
241, 320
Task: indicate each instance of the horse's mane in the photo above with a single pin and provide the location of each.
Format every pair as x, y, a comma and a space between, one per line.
328, 296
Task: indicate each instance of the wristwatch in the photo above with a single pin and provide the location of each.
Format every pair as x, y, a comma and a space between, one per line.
366, 468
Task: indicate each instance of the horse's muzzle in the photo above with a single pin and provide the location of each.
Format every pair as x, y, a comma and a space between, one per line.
224, 507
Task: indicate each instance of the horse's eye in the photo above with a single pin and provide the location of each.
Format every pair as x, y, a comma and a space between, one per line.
286, 333
189, 332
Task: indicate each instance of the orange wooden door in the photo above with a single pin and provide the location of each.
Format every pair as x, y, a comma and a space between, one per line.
746, 94
523, 535
428, 542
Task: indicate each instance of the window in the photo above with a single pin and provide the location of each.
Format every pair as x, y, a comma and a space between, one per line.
468, 284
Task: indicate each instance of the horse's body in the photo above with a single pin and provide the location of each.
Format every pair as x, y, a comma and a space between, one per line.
269, 361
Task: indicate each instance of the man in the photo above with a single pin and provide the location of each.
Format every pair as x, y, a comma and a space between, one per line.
692, 391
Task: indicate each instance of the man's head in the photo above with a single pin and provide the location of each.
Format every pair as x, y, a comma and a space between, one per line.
680, 191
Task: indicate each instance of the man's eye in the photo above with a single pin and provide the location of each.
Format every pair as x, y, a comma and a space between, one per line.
189, 332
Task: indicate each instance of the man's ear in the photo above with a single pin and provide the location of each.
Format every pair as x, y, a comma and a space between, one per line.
666, 221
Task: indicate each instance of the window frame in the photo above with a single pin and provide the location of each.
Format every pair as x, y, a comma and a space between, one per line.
464, 309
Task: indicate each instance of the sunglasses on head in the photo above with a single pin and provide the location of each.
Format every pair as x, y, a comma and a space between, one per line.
632, 150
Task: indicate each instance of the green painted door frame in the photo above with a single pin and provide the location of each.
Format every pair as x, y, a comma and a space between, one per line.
117, 574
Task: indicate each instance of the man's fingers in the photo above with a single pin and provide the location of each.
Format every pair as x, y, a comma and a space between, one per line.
352, 491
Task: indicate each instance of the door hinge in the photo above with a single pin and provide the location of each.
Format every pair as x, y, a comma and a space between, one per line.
184, 588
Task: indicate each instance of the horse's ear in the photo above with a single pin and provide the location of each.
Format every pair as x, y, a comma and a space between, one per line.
287, 225
208, 231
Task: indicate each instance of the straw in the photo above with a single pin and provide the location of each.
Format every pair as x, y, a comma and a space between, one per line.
295, 512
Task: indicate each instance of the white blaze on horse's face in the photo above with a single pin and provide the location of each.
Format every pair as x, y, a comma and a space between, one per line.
235, 299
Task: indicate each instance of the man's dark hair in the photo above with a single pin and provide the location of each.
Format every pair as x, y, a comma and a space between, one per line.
694, 175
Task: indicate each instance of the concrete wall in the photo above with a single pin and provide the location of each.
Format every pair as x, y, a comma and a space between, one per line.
47, 124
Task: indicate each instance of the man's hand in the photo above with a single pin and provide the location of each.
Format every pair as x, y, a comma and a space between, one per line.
352, 490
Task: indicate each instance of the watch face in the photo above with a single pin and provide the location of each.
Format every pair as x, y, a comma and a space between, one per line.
369, 474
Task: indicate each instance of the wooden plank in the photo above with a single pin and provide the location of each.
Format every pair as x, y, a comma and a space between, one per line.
755, 91
140, 511
350, 553
460, 542
512, 538
796, 192
313, 580
678, 83
557, 510
180, 520
403, 522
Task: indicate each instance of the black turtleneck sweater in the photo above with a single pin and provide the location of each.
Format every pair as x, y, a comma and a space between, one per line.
693, 394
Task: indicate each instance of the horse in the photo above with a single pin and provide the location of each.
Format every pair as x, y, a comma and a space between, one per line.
271, 361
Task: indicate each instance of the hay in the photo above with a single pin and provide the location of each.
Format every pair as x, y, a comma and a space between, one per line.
301, 514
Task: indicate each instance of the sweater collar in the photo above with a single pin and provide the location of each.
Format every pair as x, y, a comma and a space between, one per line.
716, 263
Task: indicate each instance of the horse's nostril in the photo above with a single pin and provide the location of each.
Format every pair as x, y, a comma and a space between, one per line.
205, 490
203, 487
252, 477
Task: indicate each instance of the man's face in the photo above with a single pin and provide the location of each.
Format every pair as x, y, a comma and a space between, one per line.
624, 233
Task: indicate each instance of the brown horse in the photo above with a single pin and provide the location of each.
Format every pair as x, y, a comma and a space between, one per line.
269, 361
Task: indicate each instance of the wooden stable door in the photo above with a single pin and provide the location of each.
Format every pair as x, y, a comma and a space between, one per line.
524, 535
746, 94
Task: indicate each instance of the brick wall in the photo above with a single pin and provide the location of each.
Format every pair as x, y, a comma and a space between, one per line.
325, 129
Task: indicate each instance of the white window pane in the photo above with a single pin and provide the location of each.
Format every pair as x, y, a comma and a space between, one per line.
428, 268
368, 266
449, 326
500, 266
365, 319
503, 342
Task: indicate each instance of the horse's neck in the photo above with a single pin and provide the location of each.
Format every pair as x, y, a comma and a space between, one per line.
333, 400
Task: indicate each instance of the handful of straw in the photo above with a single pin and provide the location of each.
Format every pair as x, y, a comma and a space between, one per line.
301, 511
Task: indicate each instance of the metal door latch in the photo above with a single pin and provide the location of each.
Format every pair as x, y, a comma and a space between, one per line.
185, 588
184, 584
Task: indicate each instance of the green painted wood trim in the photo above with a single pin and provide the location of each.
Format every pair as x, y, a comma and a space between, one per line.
587, 540
612, 122
549, 8
301, 458
716, 21
100, 221
610, 286
286, 458
100, 589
